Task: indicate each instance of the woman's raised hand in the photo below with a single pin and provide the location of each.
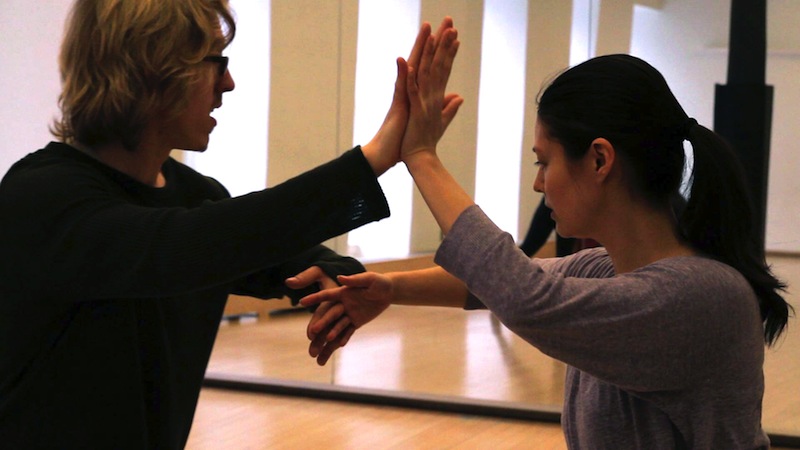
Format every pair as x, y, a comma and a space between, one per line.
383, 151
431, 110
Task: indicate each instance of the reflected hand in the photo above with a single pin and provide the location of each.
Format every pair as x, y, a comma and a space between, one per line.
361, 298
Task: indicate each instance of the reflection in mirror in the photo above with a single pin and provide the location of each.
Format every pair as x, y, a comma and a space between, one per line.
439, 351
453, 353
468, 354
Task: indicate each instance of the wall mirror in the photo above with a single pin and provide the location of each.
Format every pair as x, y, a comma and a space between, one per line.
469, 357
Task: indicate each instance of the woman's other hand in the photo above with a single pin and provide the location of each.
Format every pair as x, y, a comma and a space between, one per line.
360, 299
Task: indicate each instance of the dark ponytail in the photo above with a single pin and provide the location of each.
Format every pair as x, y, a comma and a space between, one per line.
719, 220
627, 101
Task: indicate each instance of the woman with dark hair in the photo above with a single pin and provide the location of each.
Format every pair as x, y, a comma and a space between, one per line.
663, 329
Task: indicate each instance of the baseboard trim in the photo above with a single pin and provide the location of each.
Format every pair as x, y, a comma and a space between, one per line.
411, 400
441, 403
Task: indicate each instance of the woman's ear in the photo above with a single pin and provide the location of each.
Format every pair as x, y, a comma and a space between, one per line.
603, 156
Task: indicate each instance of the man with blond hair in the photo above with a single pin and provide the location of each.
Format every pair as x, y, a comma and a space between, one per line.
118, 260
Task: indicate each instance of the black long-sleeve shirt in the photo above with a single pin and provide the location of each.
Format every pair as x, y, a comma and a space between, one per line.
111, 291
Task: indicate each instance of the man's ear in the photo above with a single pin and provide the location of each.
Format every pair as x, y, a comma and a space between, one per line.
603, 156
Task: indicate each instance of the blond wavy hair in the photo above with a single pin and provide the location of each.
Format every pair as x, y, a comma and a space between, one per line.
124, 62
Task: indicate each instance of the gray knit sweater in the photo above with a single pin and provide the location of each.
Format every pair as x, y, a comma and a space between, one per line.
667, 356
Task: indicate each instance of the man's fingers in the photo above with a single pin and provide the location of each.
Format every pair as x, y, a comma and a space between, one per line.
318, 297
311, 329
316, 346
320, 322
359, 280
400, 82
331, 346
342, 324
305, 278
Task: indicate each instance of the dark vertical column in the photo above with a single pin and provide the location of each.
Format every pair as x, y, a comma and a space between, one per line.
743, 107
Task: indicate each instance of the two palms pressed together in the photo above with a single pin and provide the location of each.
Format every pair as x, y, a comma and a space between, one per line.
421, 112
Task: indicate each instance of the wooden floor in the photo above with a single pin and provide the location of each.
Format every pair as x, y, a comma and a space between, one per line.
435, 351
240, 421
232, 420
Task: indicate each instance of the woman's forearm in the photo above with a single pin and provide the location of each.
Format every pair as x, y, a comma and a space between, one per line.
427, 287
444, 196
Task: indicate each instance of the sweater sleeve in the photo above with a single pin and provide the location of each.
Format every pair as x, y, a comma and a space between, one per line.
270, 283
72, 234
646, 330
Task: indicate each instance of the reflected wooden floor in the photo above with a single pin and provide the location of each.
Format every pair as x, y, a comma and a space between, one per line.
782, 363
428, 350
233, 420
422, 350
227, 420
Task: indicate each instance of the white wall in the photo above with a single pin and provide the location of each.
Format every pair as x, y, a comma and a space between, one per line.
236, 154
687, 41
30, 34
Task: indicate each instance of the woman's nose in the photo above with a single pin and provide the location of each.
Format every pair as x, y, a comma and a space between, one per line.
538, 182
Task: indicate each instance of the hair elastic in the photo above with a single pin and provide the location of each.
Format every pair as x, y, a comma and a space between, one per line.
687, 127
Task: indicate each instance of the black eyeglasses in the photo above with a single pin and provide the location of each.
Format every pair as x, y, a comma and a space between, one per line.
221, 61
